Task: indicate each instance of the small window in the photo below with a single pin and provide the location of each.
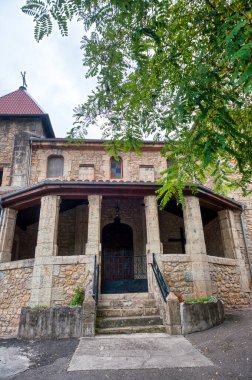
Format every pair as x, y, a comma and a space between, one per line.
116, 168
55, 166
1, 176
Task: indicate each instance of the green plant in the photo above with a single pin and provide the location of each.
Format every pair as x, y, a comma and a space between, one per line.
78, 296
204, 299
39, 307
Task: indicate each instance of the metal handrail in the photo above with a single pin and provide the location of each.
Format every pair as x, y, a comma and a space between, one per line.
96, 281
163, 287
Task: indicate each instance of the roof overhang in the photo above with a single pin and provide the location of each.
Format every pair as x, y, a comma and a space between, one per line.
31, 195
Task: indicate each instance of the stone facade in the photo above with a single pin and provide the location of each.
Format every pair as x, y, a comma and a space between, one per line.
15, 288
226, 282
94, 155
14, 149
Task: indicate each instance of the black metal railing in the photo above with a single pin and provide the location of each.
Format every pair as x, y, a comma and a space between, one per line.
115, 267
96, 281
163, 287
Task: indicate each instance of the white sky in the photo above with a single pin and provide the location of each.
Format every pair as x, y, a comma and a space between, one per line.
54, 72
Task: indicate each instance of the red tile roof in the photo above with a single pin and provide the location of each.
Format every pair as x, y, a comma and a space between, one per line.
19, 103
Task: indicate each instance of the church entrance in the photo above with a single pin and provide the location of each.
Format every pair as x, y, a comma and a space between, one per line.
118, 260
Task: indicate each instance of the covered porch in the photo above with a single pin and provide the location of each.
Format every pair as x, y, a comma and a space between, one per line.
66, 225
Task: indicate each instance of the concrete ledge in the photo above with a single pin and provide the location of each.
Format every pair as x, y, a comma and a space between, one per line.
221, 260
201, 316
17, 264
57, 322
64, 260
174, 257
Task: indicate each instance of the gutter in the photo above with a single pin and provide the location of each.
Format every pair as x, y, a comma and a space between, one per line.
246, 240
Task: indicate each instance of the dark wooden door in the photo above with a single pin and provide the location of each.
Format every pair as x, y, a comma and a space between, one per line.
117, 252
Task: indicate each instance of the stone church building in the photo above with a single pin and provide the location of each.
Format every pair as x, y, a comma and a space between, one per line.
67, 209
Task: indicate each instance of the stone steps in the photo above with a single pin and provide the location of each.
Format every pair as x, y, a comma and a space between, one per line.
128, 321
128, 314
132, 330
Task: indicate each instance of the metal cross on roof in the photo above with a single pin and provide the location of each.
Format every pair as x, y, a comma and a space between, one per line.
24, 80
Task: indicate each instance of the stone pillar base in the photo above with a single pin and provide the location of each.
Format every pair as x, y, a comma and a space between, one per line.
89, 317
172, 319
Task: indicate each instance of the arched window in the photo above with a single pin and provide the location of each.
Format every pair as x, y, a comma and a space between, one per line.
116, 168
55, 166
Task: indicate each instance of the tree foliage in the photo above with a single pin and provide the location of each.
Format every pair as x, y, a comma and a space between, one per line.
176, 70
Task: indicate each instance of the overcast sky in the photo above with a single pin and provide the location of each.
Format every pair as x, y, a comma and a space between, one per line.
54, 72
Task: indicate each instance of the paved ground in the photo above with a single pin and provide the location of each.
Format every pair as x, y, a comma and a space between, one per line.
228, 347
136, 351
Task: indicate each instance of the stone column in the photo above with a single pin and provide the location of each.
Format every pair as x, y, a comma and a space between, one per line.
41, 290
93, 246
231, 244
196, 247
154, 244
7, 230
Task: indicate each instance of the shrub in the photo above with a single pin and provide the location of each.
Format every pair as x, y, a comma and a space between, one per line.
78, 296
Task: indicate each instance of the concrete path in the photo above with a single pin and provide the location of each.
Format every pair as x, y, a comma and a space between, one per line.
135, 351
12, 361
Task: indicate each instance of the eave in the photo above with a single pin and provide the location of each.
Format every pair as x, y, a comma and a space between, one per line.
31, 195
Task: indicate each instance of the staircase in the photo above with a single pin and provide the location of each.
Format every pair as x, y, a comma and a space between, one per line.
127, 314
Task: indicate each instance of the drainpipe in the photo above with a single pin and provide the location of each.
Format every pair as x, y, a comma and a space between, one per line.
1, 213
29, 162
245, 239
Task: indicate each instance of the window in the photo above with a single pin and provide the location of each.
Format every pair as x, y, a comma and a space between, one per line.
116, 168
1, 176
55, 166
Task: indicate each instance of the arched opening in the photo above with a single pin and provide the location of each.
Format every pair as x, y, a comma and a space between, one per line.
118, 260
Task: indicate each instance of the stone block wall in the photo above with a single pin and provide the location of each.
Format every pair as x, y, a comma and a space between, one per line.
177, 273
95, 156
225, 277
24, 242
213, 238
15, 285
170, 225
14, 149
66, 277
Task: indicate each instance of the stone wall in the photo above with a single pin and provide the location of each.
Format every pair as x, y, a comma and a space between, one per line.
66, 277
225, 277
14, 149
177, 273
213, 238
95, 155
170, 225
24, 242
15, 284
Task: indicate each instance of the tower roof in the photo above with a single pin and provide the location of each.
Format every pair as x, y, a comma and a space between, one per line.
20, 103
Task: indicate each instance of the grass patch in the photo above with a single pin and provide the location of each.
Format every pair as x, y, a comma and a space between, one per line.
204, 299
